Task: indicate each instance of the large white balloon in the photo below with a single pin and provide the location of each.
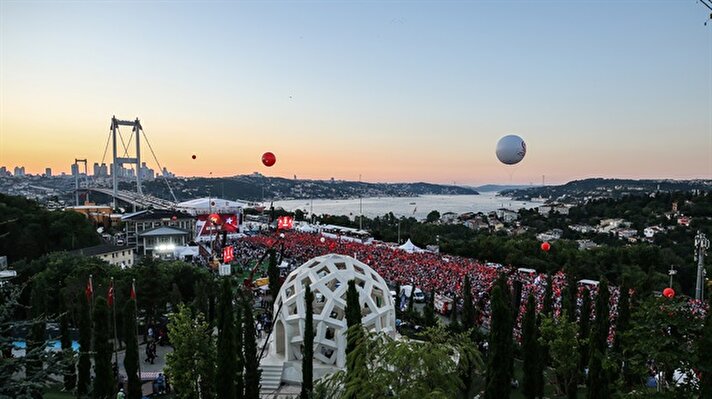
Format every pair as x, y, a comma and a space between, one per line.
511, 149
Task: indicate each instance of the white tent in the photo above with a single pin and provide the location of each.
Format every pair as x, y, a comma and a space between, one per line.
410, 247
210, 205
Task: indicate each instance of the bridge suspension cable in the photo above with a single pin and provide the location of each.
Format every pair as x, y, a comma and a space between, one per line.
160, 168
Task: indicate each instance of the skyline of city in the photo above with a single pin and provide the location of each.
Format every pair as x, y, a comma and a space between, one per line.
391, 92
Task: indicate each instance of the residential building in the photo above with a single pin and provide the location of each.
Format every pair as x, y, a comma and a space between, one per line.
113, 254
139, 222
507, 215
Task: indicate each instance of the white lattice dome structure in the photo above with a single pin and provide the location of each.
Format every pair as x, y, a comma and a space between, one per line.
328, 277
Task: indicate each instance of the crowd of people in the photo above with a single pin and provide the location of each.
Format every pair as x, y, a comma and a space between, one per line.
431, 272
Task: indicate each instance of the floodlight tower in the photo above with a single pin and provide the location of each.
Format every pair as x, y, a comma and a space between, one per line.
702, 244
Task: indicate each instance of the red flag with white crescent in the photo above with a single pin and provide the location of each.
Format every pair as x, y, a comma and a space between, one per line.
133, 292
89, 290
110, 295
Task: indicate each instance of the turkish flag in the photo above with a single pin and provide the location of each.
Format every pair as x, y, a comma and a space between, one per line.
228, 254
285, 222
231, 223
89, 290
133, 292
110, 295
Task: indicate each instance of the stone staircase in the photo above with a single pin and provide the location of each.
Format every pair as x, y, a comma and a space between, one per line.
271, 378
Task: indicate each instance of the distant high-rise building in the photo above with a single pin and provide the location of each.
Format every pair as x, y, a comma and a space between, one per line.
97, 169
75, 169
19, 171
3, 171
48, 172
104, 171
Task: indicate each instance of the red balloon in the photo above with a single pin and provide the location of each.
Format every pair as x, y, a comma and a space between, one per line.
669, 292
268, 159
545, 246
193, 156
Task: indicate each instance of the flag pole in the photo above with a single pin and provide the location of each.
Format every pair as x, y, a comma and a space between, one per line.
113, 309
133, 296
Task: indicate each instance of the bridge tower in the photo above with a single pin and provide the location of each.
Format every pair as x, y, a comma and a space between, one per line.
121, 161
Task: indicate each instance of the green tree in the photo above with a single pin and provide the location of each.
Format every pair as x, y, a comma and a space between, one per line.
70, 371
273, 274
704, 363
548, 305
225, 386
584, 329
104, 384
308, 354
239, 339
36, 338
176, 296
429, 311
131, 358
665, 331
252, 372
191, 365
34, 380
499, 360
380, 362
353, 310
468, 306
560, 336
432, 217
84, 365
597, 386
531, 352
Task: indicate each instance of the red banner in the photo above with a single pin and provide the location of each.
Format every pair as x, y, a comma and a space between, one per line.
228, 254
207, 225
285, 222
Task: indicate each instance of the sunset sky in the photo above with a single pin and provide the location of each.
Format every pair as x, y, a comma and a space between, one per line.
394, 91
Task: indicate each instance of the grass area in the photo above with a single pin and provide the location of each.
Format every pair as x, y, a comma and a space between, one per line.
57, 393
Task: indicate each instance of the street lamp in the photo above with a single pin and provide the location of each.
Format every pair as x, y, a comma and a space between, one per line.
671, 273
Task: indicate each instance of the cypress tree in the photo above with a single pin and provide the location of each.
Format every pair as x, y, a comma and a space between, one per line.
584, 329
705, 357
623, 320
273, 274
468, 305
453, 315
499, 361
252, 372
240, 365
353, 312
548, 305
84, 363
104, 384
227, 351
36, 338
622, 325
131, 359
398, 299
70, 372
429, 312
411, 301
530, 349
568, 300
308, 354
597, 379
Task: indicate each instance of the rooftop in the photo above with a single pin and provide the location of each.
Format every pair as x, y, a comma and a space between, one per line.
99, 250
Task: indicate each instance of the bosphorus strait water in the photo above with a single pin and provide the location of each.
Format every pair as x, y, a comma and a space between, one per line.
417, 207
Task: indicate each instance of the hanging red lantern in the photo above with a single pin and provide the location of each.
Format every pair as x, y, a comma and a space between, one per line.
268, 159
545, 246
669, 292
